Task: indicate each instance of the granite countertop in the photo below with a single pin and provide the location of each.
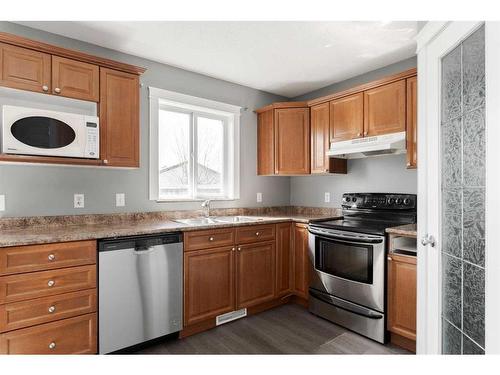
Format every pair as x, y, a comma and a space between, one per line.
409, 230
39, 234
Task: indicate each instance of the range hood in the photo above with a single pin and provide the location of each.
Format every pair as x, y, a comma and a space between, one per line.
387, 144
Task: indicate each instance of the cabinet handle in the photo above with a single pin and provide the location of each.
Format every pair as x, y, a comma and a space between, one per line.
52, 309
52, 345
239, 248
105, 161
257, 234
389, 258
408, 164
51, 283
57, 90
211, 239
51, 257
359, 134
45, 88
233, 249
366, 133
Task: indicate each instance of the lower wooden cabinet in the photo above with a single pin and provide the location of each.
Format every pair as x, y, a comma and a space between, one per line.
208, 283
402, 295
255, 272
301, 261
284, 259
69, 336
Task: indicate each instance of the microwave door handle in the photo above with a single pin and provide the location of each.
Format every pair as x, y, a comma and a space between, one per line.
345, 238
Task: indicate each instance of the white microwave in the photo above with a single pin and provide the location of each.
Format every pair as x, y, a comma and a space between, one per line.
30, 131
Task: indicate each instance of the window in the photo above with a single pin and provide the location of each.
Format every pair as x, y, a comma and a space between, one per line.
194, 148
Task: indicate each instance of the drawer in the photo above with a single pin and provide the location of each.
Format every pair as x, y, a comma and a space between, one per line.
46, 283
254, 233
21, 259
69, 336
204, 239
47, 309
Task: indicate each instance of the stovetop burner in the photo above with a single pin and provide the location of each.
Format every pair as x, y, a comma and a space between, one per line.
373, 213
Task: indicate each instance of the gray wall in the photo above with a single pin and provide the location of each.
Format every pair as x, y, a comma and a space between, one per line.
48, 190
380, 174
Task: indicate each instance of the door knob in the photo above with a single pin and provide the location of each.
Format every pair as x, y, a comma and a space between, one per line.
428, 240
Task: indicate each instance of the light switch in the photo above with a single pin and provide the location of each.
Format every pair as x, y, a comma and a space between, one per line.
327, 197
79, 201
2, 202
259, 197
120, 199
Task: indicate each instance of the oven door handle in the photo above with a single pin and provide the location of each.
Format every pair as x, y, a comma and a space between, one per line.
341, 237
345, 305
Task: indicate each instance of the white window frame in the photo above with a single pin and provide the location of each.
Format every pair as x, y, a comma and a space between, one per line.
177, 102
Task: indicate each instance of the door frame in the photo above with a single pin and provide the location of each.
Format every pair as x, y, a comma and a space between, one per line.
434, 41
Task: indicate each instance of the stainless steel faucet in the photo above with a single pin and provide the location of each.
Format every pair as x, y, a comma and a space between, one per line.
206, 207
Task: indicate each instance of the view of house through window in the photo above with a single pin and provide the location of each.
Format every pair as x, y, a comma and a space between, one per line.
191, 155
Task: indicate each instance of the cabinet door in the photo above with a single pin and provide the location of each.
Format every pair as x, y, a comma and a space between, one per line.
255, 274
320, 137
402, 295
346, 118
284, 259
411, 122
119, 118
292, 141
24, 69
75, 79
265, 143
385, 109
301, 261
208, 284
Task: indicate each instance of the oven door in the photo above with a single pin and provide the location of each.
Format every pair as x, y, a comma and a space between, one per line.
348, 265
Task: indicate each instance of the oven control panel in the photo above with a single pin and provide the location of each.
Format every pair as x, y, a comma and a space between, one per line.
380, 201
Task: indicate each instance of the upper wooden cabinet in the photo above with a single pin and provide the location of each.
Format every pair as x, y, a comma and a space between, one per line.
411, 122
24, 69
385, 109
75, 79
346, 118
291, 141
320, 137
119, 118
265, 143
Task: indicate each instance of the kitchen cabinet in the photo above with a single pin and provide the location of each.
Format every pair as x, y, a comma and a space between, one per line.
48, 298
27, 64
284, 259
385, 109
255, 273
75, 79
301, 261
24, 69
402, 299
320, 143
346, 118
292, 141
265, 143
209, 283
411, 122
119, 118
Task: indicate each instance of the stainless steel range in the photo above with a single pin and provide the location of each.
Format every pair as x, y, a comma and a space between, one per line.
348, 256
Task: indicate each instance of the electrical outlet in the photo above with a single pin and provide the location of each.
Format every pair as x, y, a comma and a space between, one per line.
2, 202
327, 197
120, 199
79, 201
259, 197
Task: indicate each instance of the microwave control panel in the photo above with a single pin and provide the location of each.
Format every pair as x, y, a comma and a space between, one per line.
92, 140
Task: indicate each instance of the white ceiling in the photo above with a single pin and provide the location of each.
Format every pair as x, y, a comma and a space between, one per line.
285, 58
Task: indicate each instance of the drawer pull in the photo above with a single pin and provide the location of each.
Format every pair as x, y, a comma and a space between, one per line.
211, 239
57, 90
52, 345
239, 248
52, 309
233, 249
51, 283
51, 257
257, 234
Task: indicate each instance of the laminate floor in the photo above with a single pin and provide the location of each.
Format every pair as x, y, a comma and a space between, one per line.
288, 329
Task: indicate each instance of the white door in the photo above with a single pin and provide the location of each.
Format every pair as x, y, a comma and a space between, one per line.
451, 188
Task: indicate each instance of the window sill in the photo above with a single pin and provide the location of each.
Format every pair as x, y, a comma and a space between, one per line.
194, 200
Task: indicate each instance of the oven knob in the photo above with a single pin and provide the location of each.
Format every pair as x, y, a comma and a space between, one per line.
390, 200
354, 199
347, 199
406, 201
398, 200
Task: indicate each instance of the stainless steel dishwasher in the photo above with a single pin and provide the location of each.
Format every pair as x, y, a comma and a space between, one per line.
140, 290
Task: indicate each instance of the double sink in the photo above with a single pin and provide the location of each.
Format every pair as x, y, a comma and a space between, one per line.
219, 220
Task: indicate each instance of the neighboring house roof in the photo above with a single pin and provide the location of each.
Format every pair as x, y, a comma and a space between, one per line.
177, 175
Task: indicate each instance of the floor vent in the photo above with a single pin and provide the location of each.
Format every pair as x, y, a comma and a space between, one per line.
230, 316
